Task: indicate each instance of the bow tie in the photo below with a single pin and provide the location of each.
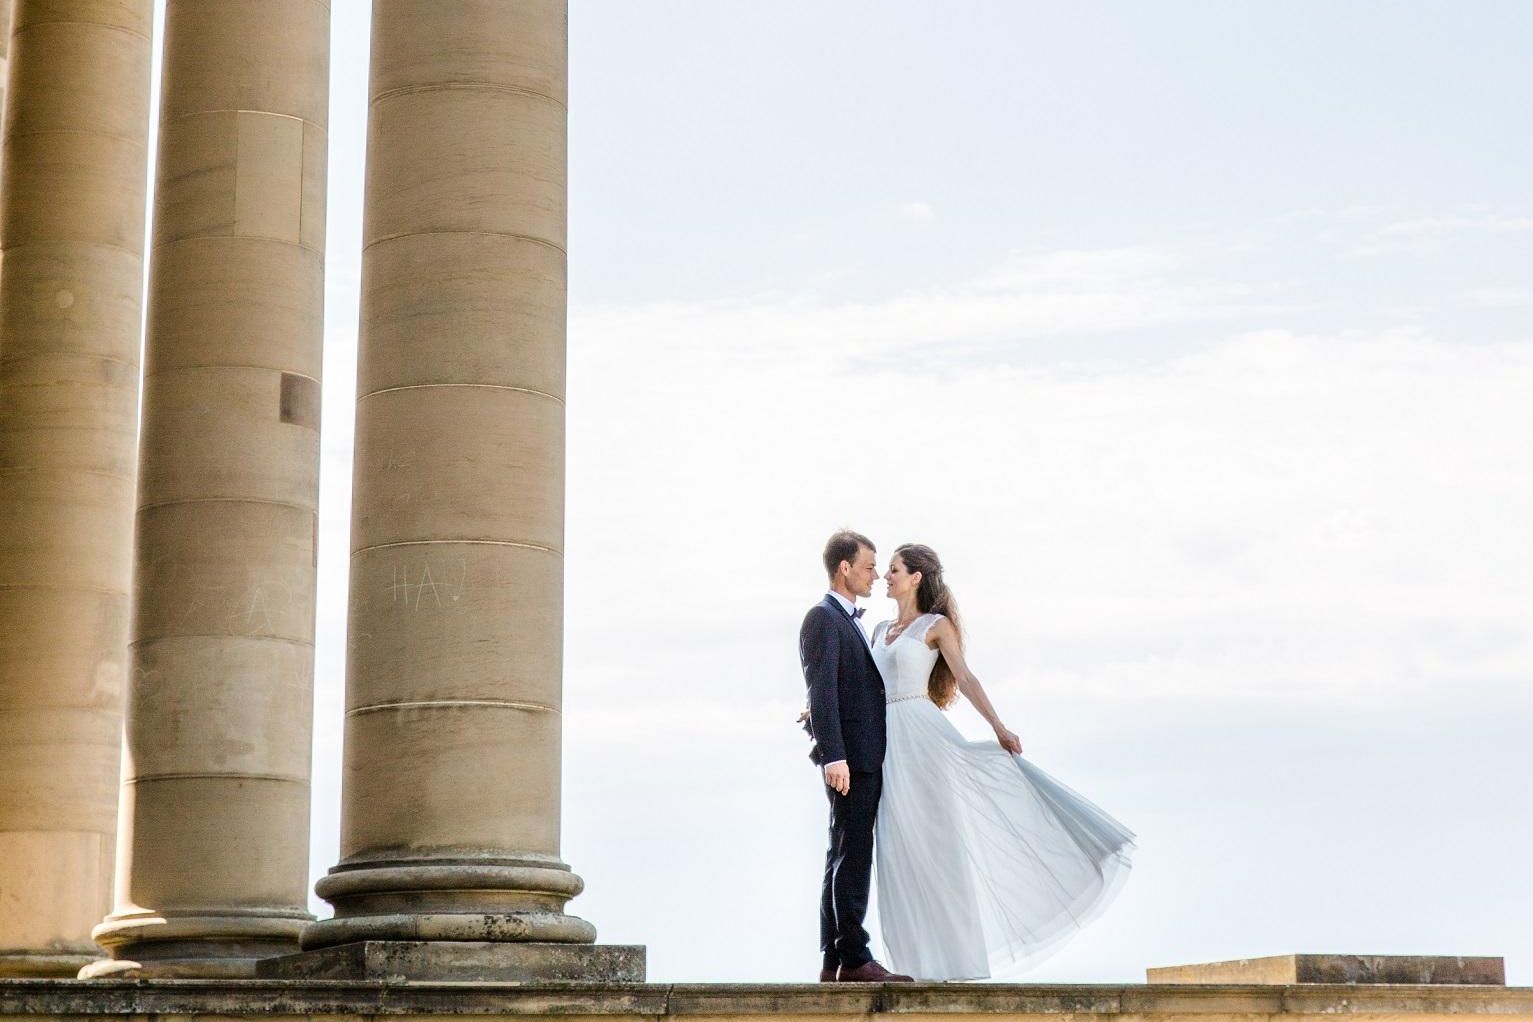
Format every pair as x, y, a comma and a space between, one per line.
858, 612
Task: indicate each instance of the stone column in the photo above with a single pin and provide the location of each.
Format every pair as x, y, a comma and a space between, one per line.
5, 54
74, 178
213, 862
450, 816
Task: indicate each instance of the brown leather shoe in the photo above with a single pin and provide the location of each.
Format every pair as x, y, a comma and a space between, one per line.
870, 972
827, 975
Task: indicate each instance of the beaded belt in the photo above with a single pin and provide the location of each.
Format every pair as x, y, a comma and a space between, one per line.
903, 699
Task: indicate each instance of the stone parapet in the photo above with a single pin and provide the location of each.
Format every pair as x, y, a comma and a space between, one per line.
351, 1001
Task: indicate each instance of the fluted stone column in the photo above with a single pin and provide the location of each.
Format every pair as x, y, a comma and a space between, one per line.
213, 861
450, 815
74, 179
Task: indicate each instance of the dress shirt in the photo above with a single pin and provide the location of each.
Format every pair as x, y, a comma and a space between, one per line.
849, 607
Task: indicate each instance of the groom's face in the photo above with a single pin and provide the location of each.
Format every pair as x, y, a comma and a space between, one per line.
864, 570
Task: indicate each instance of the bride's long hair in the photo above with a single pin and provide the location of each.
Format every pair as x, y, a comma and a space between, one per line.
934, 597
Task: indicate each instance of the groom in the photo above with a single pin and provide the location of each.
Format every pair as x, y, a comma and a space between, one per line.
846, 721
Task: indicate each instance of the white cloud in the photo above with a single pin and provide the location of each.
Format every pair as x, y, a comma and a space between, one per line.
1489, 223
1074, 269
1028, 299
1499, 297
1349, 212
1330, 499
917, 211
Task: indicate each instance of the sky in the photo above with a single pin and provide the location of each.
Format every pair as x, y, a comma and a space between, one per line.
1195, 337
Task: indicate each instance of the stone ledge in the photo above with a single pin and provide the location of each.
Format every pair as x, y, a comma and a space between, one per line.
1482, 970
349, 1001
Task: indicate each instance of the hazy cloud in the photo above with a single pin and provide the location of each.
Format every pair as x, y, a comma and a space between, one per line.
1499, 297
1489, 223
917, 211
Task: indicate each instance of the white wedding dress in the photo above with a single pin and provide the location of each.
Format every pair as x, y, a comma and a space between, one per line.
984, 862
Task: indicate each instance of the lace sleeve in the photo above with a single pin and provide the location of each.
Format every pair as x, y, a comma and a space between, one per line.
923, 624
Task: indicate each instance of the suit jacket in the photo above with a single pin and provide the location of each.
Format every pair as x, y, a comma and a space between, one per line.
846, 692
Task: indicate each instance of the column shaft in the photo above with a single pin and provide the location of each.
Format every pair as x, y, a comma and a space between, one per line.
212, 868
5, 51
450, 818
73, 193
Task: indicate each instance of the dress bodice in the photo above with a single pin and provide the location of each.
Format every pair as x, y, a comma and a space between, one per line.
906, 663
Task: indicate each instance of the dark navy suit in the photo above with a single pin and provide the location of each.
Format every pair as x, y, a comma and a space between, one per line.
846, 717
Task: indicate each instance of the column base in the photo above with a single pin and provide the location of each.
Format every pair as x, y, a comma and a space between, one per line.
450, 899
472, 961
468, 927
192, 947
44, 964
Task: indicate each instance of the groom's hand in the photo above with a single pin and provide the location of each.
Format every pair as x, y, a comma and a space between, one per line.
838, 776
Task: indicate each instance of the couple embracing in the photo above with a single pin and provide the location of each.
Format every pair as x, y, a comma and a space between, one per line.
984, 861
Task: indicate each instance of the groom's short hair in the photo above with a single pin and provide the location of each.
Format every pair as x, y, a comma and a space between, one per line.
843, 546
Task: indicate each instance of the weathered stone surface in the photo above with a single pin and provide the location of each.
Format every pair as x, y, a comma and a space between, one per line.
74, 186
1292, 969
473, 961
43, 963
351, 1001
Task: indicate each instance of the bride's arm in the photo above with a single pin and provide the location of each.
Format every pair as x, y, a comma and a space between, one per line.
946, 638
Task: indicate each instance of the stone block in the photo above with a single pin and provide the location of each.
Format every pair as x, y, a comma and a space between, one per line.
462, 961
1295, 969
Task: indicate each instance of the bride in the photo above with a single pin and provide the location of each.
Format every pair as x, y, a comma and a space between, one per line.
984, 862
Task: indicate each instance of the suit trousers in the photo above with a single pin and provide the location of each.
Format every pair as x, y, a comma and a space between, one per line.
849, 871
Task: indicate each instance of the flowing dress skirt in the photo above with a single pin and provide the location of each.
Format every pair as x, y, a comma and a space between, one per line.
984, 862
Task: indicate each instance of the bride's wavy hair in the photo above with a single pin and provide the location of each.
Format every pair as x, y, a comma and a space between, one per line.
934, 597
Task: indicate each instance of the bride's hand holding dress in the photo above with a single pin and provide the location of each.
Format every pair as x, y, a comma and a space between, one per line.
945, 637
